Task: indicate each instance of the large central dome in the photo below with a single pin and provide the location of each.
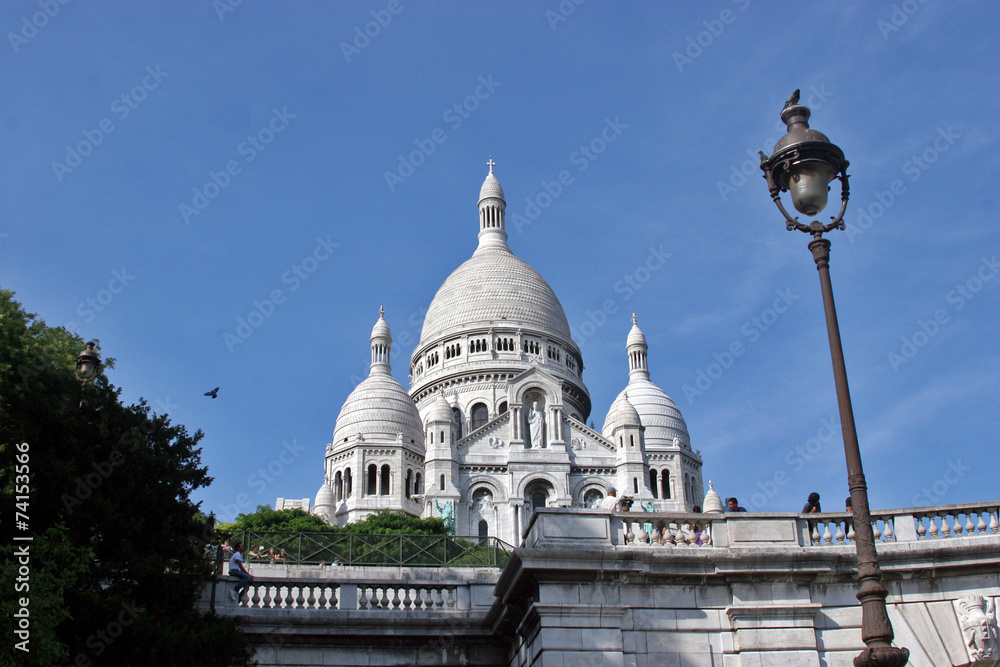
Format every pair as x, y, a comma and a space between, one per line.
494, 287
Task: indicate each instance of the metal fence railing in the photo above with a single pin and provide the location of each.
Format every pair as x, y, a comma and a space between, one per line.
359, 549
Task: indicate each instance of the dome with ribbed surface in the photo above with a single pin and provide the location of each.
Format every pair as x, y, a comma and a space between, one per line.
635, 336
622, 413
440, 411
494, 287
379, 409
324, 497
491, 188
658, 413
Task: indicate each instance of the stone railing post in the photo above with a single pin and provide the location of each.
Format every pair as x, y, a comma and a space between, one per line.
348, 595
464, 597
905, 528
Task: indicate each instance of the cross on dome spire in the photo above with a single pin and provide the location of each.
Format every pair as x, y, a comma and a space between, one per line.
490, 163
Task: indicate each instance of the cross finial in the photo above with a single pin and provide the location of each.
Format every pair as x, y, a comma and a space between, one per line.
381, 311
634, 319
490, 163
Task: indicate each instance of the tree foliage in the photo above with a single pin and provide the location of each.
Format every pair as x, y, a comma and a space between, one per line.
116, 559
383, 522
266, 519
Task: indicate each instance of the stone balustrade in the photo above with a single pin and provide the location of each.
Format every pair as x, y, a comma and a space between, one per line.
760, 529
322, 594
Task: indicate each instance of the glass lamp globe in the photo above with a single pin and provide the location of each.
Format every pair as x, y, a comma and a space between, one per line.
809, 184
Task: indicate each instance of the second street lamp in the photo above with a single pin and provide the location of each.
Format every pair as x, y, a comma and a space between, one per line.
804, 163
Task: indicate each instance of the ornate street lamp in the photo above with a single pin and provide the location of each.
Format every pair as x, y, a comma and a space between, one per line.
88, 363
804, 163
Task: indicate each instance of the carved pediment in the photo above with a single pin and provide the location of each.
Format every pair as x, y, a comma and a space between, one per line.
584, 440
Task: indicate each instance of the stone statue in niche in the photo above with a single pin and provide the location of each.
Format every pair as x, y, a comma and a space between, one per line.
978, 618
536, 426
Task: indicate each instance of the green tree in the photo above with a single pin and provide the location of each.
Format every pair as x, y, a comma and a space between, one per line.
267, 519
392, 522
116, 562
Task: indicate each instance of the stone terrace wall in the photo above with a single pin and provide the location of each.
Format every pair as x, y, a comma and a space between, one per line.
636, 590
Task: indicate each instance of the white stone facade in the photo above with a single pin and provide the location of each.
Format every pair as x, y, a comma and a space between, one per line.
495, 422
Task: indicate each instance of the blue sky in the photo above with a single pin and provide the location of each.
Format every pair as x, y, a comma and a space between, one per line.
169, 167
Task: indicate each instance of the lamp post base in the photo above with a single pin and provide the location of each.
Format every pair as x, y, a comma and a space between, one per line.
882, 656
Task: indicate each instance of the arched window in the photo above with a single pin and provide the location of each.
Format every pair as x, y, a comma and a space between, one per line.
480, 415
635, 485
631, 441
652, 483
409, 482
484, 529
457, 414
665, 484
442, 482
384, 488
372, 485
503, 408
416, 485
347, 483
338, 486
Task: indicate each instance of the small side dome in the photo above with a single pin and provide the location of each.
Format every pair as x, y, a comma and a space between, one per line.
622, 413
440, 411
712, 503
325, 504
324, 497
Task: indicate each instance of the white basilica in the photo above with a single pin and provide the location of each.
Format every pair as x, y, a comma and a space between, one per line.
494, 424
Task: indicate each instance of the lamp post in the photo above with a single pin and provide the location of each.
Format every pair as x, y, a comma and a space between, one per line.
804, 163
88, 363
